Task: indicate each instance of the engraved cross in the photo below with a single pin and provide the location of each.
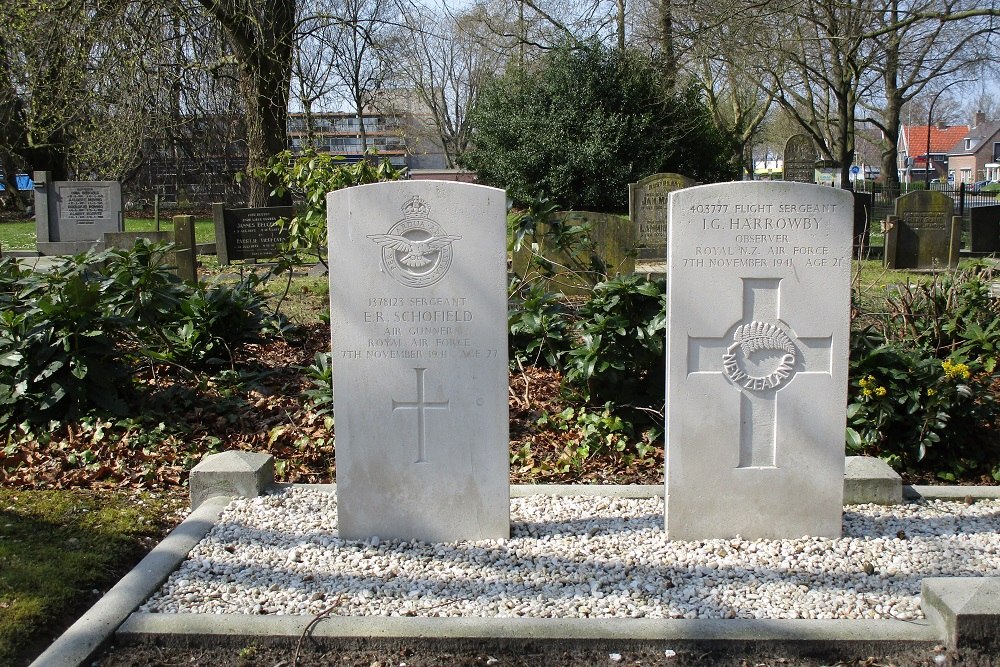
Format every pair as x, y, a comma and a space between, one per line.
420, 405
759, 393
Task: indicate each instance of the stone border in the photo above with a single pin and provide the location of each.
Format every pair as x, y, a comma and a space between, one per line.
91, 631
960, 611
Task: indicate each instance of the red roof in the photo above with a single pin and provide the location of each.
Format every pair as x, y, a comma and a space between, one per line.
942, 139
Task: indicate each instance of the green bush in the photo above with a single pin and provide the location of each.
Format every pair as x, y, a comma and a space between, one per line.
310, 177
586, 121
922, 384
618, 343
71, 338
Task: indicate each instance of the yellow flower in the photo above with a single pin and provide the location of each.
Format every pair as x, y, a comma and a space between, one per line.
866, 392
931, 392
953, 370
880, 391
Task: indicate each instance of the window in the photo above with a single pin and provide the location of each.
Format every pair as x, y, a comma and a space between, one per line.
966, 175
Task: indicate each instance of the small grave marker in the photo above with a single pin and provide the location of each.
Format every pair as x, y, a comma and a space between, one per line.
647, 204
72, 216
418, 317
924, 233
799, 159
757, 345
249, 233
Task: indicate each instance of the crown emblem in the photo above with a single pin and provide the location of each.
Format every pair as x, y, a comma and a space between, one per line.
415, 207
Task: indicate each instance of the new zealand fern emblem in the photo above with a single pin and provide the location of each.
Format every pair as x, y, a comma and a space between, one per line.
755, 338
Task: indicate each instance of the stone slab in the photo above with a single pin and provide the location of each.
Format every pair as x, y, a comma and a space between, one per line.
870, 480
967, 607
799, 159
756, 368
75, 212
418, 274
683, 632
231, 474
610, 252
984, 229
647, 209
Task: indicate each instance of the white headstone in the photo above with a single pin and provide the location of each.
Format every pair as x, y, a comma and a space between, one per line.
418, 275
758, 308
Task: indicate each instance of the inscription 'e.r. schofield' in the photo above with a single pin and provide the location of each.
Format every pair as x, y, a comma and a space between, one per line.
759, 334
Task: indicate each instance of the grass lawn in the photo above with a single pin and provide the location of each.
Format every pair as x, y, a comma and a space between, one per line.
20, 235
59, 550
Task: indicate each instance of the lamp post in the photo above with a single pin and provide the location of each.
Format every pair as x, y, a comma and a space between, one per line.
930, 112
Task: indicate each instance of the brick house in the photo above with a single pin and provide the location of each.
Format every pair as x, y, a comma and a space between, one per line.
976, 157
913, 150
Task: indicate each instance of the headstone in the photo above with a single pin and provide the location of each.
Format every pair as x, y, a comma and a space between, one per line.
610, 252
418, 314
249, 233
984, 229
647, 208
800, 159
924, 233
72, 216
758, 308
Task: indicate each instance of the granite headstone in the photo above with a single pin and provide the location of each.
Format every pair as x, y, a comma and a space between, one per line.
924, 233
647, 206
799, 159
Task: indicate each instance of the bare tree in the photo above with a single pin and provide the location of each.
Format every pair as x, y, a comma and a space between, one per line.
261, 35
447, 58
919, 56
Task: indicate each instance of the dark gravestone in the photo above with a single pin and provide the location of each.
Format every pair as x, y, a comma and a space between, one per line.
864, 203
647, 209
924, 233
249, 233
799, 159
984, 229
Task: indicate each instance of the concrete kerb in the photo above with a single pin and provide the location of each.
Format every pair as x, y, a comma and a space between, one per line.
958, 609
92, 630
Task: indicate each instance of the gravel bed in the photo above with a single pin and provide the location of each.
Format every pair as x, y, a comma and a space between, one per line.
578, 557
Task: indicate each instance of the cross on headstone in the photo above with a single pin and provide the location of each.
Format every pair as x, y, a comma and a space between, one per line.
760, 329
420, 405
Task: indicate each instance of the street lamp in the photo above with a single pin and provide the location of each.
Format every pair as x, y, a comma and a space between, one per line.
930, 112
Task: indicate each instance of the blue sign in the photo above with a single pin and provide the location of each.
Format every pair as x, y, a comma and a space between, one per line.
855, 169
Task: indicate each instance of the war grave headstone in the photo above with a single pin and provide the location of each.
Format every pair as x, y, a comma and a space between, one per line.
249, 233
984, 229
758, 307
799, 159
418, 314
647, 208
72, 216
611, 248
924, 233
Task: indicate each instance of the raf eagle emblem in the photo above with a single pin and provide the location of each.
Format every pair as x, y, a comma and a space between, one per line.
416, 251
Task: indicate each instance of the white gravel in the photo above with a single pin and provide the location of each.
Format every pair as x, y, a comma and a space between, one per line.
574, 557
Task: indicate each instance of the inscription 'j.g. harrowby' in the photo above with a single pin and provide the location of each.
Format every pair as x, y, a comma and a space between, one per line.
757, 323
418, 313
